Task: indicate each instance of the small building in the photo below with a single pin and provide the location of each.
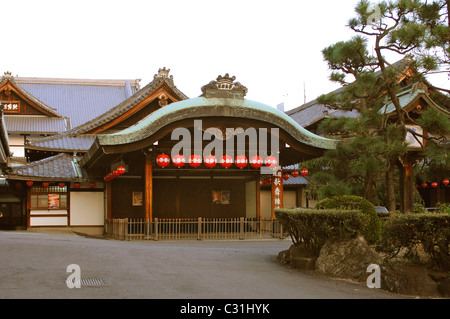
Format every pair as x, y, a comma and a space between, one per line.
109, 166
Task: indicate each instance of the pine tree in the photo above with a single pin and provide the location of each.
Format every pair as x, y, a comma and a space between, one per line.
374, 146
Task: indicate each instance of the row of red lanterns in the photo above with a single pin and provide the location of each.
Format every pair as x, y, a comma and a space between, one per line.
445, 181
116, 172
211, 161
286, 176
47, 184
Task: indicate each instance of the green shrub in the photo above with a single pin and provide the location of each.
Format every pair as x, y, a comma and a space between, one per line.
407, 231
313, 227
372, 232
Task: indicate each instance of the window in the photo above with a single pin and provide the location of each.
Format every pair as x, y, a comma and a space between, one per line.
52, 197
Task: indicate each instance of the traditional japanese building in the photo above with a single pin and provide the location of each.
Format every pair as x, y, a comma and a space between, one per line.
109, 166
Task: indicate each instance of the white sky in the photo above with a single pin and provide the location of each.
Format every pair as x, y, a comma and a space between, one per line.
272, 47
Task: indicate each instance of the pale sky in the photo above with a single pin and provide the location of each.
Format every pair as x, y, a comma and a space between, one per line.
272, 47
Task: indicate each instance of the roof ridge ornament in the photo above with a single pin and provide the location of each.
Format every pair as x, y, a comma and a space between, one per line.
163, 74
224, 87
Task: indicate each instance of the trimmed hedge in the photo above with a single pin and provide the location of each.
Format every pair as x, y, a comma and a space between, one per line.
407, 231
313, 227
372, 231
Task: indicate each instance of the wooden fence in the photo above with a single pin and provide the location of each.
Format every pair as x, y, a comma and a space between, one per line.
196, 228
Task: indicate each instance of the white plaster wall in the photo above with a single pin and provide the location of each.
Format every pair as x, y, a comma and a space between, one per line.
86, 209
48, 221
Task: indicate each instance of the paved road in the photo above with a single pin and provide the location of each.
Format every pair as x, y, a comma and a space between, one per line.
33, 265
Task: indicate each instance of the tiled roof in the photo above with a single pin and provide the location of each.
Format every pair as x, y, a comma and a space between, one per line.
4, 140
62, 143
54, 168
77, 99
203, 106
410, 94
76, 138
35, 124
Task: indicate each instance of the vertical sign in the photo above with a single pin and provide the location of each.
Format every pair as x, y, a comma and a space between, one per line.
277, 191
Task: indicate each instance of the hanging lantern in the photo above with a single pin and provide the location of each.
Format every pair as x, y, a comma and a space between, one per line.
286, 176
424, 185
195, 160
226, 161
115, 172
241, 161
45, 184
77, 185
256, 161
62, 185
304, 171
261, 182
268, 181
179, 160
434, 184
121, 170
162, 160
295, 173
445, 181
29, 183
92, 184
210, 161
271, 161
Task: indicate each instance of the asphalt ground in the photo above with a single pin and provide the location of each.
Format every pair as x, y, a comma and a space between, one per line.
34, 266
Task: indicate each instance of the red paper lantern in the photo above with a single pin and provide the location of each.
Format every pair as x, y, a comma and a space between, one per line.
424, 185
195, 160
210, 161
91, 184
271, 161
256, 161
77, 185
120, 170
241, 161
434, 184
178, 160
268, 181
304, 172
226, 161
62, 185
162, 160
445, 181
295, 173
45, 184
286, 176
29, 183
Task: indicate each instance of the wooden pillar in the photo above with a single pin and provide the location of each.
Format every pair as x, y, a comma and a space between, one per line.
258, 196
277, 191
108, 200
148, 188
406, 184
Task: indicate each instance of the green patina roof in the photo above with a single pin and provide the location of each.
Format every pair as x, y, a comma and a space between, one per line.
214, 106
409, 95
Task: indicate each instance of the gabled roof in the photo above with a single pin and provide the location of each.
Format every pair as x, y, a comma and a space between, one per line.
80, 100
8, 83
4, 140
81, 138
411, 95
60, 167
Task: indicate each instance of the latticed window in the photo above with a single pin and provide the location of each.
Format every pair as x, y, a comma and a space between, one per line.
52, 197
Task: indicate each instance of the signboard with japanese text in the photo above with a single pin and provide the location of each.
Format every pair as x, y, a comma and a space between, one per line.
277, 191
